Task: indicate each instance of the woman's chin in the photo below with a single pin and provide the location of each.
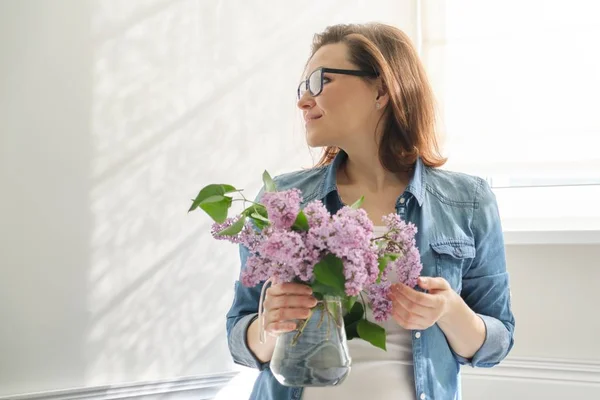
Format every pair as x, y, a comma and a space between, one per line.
315, 140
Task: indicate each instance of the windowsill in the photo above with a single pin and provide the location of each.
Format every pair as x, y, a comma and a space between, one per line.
539, 233
550, 215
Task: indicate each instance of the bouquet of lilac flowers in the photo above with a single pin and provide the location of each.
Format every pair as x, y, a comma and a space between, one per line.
336, 255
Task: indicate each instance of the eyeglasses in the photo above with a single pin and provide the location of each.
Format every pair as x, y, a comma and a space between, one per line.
314, 83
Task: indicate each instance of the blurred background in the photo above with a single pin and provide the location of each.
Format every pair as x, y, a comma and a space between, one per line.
114, 113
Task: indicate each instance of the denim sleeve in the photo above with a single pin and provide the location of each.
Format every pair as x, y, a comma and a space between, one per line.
485, 285
243, 311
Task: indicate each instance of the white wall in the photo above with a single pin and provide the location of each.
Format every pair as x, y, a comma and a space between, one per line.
555, 297
113, 114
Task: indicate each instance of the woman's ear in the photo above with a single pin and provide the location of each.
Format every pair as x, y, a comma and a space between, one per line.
382, 95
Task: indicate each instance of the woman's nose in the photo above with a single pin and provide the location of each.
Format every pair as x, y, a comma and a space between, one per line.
306, 101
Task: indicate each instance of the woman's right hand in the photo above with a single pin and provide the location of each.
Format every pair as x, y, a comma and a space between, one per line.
284, 303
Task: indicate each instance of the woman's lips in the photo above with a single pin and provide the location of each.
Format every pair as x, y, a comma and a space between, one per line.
312, 119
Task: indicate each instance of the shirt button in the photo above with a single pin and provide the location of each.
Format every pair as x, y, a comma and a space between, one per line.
418, 335
402, 200
422, 397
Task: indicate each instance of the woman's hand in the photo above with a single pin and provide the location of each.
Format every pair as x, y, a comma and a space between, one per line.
412, 309
284, 303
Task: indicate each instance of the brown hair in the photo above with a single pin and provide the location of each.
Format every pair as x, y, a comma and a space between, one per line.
409, 130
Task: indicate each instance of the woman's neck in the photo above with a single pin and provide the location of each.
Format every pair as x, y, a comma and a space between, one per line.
367, 172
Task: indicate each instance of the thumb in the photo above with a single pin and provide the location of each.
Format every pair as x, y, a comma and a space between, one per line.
429, 283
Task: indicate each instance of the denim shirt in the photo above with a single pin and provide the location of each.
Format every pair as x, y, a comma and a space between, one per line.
459, 238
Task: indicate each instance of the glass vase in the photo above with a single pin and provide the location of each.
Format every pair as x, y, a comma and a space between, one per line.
316, 353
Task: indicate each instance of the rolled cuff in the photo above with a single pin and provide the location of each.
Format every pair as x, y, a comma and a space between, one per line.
238, 344
495, 347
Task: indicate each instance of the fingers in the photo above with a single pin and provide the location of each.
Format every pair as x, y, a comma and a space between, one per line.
276, 328
409, 321
404, 305
286, 314
433, 284
283, 319
284, 304
414, 310
289, 288
289, 301
422, 299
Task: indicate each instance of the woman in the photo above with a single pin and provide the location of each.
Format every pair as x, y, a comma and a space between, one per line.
366, 99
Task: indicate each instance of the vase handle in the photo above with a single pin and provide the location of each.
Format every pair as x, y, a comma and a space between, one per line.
261, 315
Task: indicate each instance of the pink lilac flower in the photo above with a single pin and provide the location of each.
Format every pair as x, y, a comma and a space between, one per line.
318, 236
256, 271
312, 256
282, 207
216, 228
283, 247
408, 267
378, 295
287, 255
400, 239
316, 214
347, 235
251, 237
400, 234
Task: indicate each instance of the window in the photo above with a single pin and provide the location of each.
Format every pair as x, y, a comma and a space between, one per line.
518, 90
518, 87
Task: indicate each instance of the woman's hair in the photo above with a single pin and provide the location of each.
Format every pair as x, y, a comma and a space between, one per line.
409, 130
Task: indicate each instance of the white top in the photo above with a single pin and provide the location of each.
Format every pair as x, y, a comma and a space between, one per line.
375, 373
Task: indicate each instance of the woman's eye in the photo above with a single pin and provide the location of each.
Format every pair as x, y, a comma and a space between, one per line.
326, 79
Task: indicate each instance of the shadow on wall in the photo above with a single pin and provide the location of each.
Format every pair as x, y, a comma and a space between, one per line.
163, 96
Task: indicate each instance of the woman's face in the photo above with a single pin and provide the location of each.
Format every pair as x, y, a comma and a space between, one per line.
345, 111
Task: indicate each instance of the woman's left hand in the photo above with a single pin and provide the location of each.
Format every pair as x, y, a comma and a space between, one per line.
412, 309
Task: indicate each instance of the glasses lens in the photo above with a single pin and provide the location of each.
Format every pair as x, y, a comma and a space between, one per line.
314, 82
301, 89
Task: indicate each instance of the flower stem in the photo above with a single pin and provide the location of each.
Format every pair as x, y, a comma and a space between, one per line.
297, 335
322, 316
365, 306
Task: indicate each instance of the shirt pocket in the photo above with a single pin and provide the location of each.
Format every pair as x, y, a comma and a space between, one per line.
451, 258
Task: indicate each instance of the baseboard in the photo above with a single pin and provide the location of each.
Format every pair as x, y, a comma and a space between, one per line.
556, 370
206, 387
203, 388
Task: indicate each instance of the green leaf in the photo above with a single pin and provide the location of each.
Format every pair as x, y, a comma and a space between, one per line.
268, 181
322, 289
352, 331
356, 313
372, 333
217, 207
348, 303
318, 295
260, 224
211, 190
351, 320
258, 214
330, 271
234, 229
259, 217
301, 222
248, 210
256, 209
358, 203
383, 262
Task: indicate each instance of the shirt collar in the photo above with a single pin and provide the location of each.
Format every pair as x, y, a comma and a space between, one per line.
416, 185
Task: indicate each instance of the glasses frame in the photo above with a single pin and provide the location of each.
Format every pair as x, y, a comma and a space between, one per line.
324, 70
